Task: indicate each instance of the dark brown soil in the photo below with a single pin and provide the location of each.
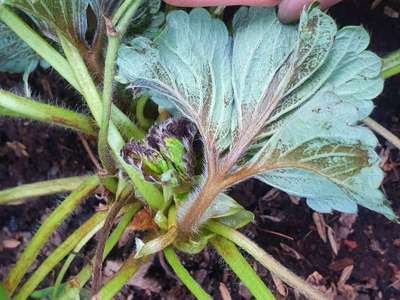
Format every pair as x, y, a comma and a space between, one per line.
284, 226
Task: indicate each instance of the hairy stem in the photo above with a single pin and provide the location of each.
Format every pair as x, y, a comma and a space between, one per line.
115, 35
391, 65
93, 224
61, 65
378, 128
266, 260
46, 230
34, 110
42, 188
86, 83
67, 263
102, 238
184, 275
191, 214
128, 269
194, 211
242, 268
85, 274
103, 148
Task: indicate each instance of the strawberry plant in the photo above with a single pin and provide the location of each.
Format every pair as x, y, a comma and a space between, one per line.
280, 103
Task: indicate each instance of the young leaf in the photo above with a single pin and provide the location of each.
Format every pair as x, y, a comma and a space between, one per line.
298, 95
166, 157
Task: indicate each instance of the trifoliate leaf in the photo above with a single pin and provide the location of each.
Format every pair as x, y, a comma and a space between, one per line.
347, 65
291, 96
15, 55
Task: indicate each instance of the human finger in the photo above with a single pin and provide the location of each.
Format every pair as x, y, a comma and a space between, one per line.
200, 3
290, 10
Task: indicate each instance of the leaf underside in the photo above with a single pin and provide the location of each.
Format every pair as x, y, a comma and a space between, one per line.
15, 55
286, 100
73, 19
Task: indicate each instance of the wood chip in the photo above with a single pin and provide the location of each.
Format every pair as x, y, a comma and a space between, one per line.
225, 295
351, 244
271, 195
143, 221
18, 148
280, 286
346, 273
390, 12
140, 280
320, 225
291, 251
375, 4
315, 279
295, 200
376, 246
11, 244
332, 240
340, 264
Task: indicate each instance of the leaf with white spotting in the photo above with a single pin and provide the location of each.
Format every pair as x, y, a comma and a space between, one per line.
349, 71
190, 66
321, 154
271, 59
298, 96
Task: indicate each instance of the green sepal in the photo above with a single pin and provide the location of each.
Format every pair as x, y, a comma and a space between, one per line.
238, 220
195, 244
226, 210
68, 293
155, 245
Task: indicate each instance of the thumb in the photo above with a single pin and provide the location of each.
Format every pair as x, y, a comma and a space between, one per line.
290, 10
197, 3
